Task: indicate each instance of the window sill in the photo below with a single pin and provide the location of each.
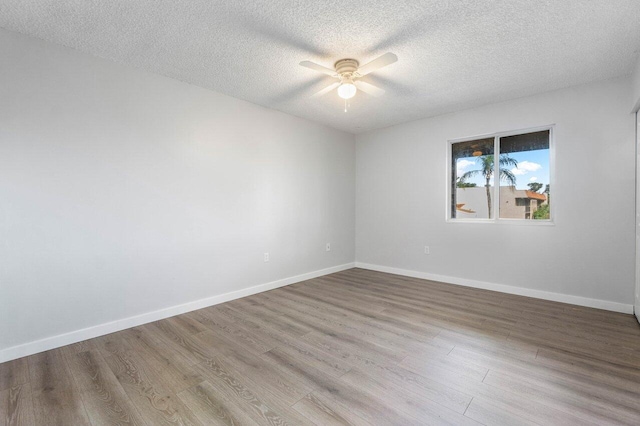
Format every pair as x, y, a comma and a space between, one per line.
508, 222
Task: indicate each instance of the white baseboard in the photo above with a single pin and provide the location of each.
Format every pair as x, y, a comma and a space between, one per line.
53, 342
538, 294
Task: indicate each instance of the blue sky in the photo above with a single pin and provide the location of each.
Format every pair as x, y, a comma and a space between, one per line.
533, 166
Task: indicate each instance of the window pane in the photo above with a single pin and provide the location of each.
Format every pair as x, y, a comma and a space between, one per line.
524, 176
472, 179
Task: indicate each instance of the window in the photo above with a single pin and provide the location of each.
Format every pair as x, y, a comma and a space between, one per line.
524, 183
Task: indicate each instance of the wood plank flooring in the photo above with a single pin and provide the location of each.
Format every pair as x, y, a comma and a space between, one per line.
356, 347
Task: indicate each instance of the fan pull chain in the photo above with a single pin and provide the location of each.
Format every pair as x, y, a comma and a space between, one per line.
345, 105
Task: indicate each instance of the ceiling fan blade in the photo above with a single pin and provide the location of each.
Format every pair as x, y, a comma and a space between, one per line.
376, 64
326, 90
319, 68
369, 88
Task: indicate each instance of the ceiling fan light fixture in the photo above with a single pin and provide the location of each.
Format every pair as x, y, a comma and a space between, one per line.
477, 153
347, 90
348, 73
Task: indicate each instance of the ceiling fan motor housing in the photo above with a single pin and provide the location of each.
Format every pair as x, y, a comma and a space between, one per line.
346, 66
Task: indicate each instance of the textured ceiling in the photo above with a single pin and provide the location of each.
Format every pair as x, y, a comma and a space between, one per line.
452, 54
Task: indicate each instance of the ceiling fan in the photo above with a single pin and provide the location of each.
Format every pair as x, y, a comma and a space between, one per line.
348, 72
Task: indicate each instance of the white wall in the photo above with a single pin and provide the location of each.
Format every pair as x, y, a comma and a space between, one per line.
401, 185
123, 192
635, 86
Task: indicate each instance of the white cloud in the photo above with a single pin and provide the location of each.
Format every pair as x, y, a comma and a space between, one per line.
463, 164
533, 179
525, 167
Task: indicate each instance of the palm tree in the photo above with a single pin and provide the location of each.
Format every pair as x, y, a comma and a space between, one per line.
486, 170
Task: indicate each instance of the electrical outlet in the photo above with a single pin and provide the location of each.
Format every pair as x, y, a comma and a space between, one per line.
266, 257
328, 247
427, 250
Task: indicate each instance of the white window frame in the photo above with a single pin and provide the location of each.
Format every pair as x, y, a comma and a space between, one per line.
496, 172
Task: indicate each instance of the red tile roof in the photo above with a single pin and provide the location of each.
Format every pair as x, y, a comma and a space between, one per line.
536, 196
459, 208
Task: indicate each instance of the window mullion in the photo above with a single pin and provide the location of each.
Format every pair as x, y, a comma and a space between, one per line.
496, 178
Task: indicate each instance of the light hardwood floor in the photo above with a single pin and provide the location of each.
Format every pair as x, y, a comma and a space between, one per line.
356, 347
